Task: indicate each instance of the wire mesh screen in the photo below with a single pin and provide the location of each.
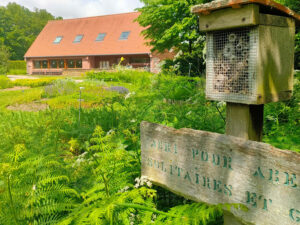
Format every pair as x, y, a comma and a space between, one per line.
231, 65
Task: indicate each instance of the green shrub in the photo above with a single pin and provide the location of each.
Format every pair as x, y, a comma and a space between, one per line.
123, 75
34, 82
5, 82
60, 87
17, 71
176, 87
282, 121
17, 65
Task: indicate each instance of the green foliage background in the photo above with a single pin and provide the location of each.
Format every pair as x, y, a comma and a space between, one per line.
4, 56
19, 27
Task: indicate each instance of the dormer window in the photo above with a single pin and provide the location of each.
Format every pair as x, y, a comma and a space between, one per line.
124, 35
100, 36
78, 38
57, 40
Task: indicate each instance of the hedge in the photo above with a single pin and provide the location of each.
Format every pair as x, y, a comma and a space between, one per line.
16, 65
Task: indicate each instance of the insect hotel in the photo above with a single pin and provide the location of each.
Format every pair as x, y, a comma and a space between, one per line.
250, 50
250, 58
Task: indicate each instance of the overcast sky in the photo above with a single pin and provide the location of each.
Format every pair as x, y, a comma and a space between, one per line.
79, 8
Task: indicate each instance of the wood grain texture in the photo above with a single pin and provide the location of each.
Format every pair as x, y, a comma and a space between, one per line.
277, 21
275, 63
215, 168
230, 18
244, 121
223, 4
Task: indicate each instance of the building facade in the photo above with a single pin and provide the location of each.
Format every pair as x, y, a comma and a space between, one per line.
99, 42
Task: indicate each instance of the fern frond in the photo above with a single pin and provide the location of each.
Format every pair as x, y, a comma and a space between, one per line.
53, 180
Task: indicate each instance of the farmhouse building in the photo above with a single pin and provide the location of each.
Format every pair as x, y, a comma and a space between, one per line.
91, 43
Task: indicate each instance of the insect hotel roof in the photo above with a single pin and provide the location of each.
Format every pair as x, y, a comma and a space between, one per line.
267, 5
250, 50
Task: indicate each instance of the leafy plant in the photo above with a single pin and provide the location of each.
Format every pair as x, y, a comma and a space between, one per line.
34, 188
33, 82
282, 121
5, 82
138, 77
60, 87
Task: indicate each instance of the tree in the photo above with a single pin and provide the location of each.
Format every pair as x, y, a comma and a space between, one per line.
292, 4
19, 27
170, 24
4, 55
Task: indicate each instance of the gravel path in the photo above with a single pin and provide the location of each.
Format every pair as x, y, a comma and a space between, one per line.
15, 77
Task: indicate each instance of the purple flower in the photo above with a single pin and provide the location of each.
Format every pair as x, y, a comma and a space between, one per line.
120, 89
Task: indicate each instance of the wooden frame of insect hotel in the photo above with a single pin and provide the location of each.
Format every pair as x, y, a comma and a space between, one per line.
250, 50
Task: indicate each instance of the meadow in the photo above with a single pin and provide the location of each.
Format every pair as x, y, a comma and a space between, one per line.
59, 168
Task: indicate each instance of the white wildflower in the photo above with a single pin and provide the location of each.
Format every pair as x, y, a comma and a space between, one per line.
34, 187
221, 104
110, 132
123, 189
128, 95
143, 180
83, 154
149, 184
189, 113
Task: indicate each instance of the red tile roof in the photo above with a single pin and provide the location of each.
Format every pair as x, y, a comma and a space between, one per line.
112, 25
220, 4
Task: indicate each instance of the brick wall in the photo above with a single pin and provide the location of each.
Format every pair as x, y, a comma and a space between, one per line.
156, 59
29, 66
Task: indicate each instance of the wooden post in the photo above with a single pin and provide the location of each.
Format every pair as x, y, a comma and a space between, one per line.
244, 121
230, 219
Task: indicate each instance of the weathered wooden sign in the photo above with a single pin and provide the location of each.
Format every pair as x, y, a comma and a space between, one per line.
216, 168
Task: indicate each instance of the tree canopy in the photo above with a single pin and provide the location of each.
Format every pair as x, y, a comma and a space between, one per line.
292, 4
169, 23
19, 27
